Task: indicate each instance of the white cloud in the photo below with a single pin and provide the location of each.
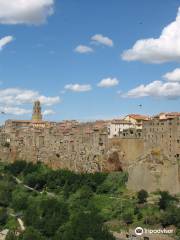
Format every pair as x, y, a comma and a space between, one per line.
99, 38
158, 50
173, 76
25, 11
48, 112
49, 101
12, 98
15, 110
19, 96
5, 40
78, 87
108, 82
83, 49
169, 90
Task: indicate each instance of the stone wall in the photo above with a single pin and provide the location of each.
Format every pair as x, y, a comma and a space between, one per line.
87, 148
154, 171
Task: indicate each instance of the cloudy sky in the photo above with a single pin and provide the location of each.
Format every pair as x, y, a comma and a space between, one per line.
89, 59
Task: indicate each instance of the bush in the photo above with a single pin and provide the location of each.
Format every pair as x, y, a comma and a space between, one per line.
31, 234
142, 196
3, 216
19, 199
84, 225
165, 200
46, 214
128, 216
16, 168
113, 183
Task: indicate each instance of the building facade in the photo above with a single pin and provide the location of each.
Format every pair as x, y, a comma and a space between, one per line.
163, 134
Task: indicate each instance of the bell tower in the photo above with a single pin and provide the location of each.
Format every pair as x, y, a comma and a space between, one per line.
37, 115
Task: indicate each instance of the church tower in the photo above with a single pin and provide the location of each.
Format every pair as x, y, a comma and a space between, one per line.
37, 115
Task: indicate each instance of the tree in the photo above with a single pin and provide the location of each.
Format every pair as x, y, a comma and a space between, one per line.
46, 215
142, 196
32, 234
36, 180
6, 188
128, 216
80, 199
84, 225
171, 217
3, 216
19, 199
165, 200
113, 183
16, 168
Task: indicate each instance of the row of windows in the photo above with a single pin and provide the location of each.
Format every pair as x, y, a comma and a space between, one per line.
162, 136
163, 123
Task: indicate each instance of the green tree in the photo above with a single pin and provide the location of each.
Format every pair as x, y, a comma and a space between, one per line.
3, 216
17, 167
46, 215
32, 234
19, 199
171, 217
113, 183
128, 216
36, 180
142, 196
165, 200
6, 188
80, 199
84, 225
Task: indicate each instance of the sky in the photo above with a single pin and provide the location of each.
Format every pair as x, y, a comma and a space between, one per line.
89, 60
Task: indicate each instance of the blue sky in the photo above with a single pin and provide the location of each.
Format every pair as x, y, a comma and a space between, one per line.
51, 55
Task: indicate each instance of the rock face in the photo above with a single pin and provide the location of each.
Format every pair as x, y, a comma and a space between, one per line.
86, 148
82, 148
154, 171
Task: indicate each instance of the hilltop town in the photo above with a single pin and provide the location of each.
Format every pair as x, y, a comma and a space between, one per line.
147, 147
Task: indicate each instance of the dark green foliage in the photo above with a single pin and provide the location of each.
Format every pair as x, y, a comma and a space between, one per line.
36, 180
6, 188
46, 214
16, 168
19, 199
3, 216
142, 196
31, 234
71, 182
84, 225
165, 200
70, 206
171, 217
81, 199
113, 183
128, 216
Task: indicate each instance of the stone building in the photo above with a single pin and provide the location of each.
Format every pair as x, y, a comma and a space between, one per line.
163, 134
67, 144
148, 149
137, 120
37, 115
117, 126
129, 126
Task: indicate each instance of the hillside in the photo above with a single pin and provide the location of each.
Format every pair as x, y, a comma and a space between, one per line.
40, 203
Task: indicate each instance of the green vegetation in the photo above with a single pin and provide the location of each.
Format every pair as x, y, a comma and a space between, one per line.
142, 196
60, 204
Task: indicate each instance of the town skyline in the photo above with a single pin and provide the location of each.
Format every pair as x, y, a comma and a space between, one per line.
82, 65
